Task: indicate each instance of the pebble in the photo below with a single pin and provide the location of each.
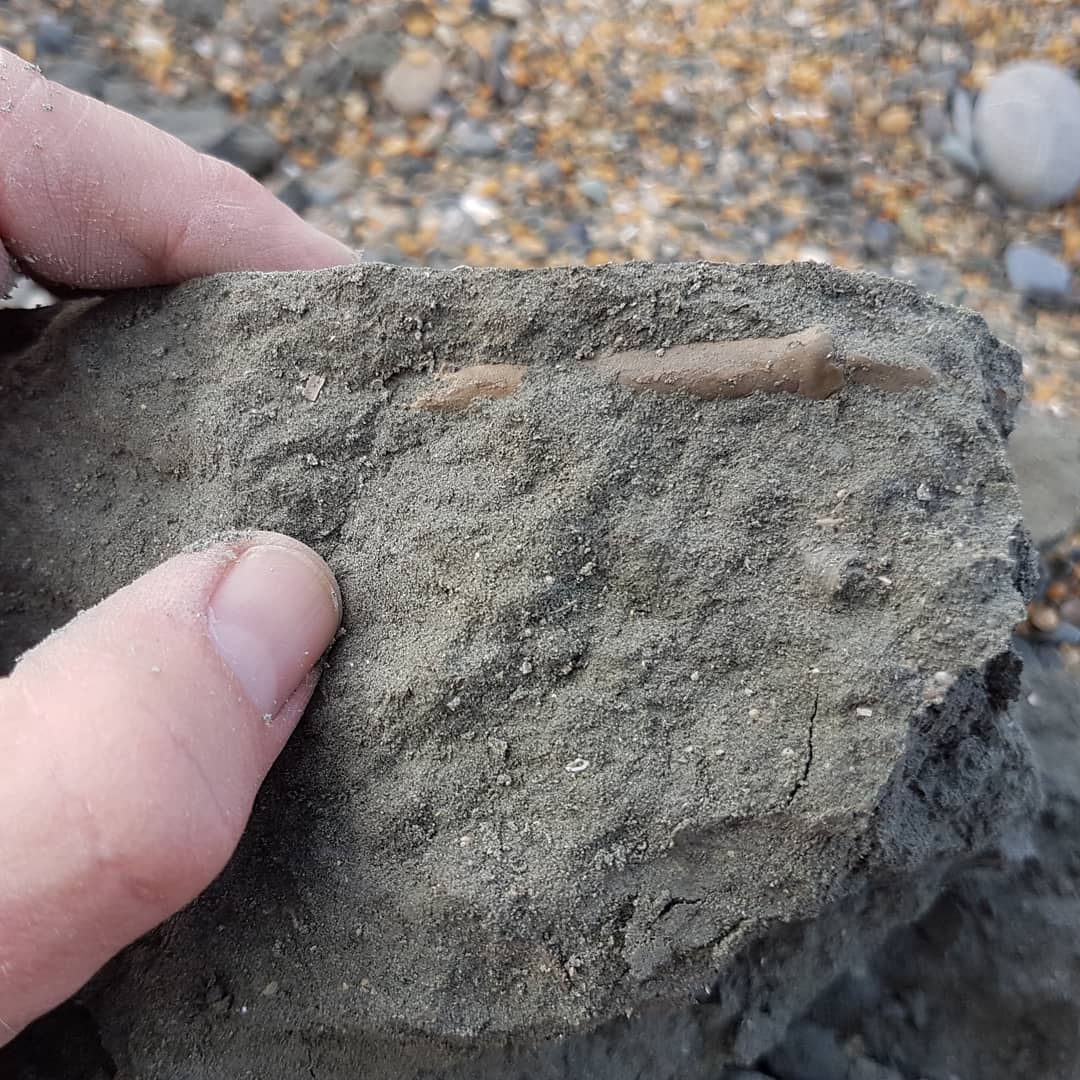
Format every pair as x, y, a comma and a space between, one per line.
933, 121
78, 75
879, 238
960, 154
839, 92
372, 55
1027, 132
473, 140
511, 10
895, 120
411, 86
251, 148
596, 191
52, 35
1036, 273
203, 127
206, 13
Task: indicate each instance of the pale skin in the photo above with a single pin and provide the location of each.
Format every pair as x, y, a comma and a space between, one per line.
132, 743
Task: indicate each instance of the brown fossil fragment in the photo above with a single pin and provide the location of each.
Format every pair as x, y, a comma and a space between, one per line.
455, 390
800, 363
890, 377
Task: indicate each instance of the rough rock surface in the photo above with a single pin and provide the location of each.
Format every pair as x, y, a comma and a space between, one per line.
641, 695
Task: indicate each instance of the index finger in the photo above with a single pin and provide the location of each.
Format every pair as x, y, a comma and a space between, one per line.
93, 198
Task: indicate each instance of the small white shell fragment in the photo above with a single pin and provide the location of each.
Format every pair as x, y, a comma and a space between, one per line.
578, 765
313, 387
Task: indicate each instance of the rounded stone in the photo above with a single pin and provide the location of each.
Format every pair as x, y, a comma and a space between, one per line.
413, 83
1027, 132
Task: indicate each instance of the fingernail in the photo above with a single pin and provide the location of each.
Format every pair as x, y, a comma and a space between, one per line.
271, 618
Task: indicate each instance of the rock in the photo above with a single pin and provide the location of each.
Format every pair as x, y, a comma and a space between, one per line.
204, 127
962, 116
839, 92
804, 140
596, 191
808, 1052
355, 60
411, 86
511, 10
895, 120
960, 154
204, 13
1036, 273
933, 121
295, 195
80, 75
371, 55
879, 238
212, 129
251, 148
1027, 133
638, 701
52, 35
469, 139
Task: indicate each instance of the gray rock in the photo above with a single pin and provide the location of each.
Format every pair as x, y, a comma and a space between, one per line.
804, 140
295, 195
879, 238
1036, 273
962, 116
53, 35
1045, 452
596, 191
411, 86
203, 13
1027, 133
960, 154
933, 121
251, 148
80, 75
633, 707
202, 126
808, 1052
371, 55
840, 92
473, 140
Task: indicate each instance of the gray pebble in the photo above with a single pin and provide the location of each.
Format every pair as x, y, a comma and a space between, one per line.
413, 83
206, 13
371, 55
77, 75
804, 140
1027, 132
204, 127
933, 121
473, 140
879, 238
52, 35
840, 92
596, 191
1036, 273
961, 114
251, 148
960, 154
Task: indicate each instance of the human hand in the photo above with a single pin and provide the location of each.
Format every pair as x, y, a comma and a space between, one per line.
133, 741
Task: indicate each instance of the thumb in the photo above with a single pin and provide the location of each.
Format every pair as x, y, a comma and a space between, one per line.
132, 743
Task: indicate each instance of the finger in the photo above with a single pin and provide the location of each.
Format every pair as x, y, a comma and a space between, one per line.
7, 275
132, 743
92, 197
